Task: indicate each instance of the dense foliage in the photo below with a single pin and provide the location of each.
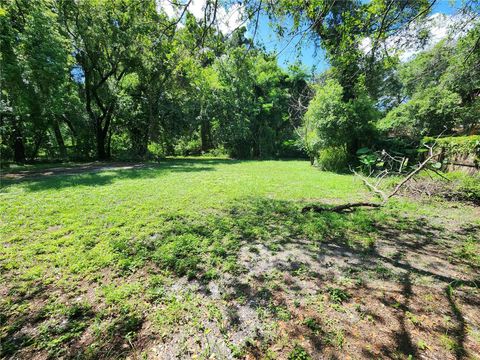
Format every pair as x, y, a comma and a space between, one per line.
122, 79
96, 79
441, 90
435, 93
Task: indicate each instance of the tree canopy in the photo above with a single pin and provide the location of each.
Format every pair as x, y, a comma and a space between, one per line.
127, 79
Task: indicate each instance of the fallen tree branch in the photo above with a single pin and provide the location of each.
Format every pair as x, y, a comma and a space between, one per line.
411, 174
340, 208
375, 188
372, 187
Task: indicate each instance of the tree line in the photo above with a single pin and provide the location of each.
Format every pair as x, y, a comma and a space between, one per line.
120, 78
92, 79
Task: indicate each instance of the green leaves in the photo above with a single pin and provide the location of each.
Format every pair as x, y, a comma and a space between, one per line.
331, 122
429, 112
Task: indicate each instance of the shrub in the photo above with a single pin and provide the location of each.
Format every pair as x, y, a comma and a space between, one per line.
156, 151
333, 158
185, 147
469, 188
291, 149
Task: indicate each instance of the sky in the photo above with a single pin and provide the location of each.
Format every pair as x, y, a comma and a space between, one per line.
310, 56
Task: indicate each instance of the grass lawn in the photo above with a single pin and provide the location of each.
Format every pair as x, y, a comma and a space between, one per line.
206, 258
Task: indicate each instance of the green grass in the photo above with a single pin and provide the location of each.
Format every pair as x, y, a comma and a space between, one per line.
100, 250
171, 214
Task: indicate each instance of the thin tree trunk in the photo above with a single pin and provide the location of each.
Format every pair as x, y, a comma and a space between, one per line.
59, 138
109, 143
36, 148
70, 125
18, 145
101, 151
205, 136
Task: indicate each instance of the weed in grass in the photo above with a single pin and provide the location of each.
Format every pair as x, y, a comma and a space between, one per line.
364, 314
280, 312
422, 345
274, 247
469, 250
177, 310
317, 302
449, 343
383, 272
412, 317
117, 294
301, 270
338, 307
338, 339
338, 296
299, 353
333, 335
214, 313
312, 324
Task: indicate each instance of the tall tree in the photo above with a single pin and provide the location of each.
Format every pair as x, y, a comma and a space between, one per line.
108, 37
36, 61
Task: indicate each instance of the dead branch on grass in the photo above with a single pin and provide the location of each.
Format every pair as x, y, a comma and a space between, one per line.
373, 182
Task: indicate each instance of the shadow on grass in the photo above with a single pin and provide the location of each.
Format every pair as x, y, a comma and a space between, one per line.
94, 174
407, 238
278, 238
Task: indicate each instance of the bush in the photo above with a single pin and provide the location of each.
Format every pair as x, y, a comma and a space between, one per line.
291, 149
219, 152
186, 147
333, 158
469, 188
155, 151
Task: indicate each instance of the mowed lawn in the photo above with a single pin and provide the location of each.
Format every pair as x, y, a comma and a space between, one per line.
209, 258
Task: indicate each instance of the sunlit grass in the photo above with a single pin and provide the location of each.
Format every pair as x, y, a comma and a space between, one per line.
127, 234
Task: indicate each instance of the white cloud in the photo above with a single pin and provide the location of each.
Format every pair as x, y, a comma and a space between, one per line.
226, 19
231, 19
407, 43
197, 8
168, 8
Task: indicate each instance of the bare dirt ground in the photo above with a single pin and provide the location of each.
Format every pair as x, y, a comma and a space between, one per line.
406, 299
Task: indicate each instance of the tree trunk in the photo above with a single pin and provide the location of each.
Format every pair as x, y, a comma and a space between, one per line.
109, 143
101, 149
104, 135
59, 138
70, 126
143, 146
36, 148
18, 146
205, 136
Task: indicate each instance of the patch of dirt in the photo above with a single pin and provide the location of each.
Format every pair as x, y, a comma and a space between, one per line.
407, 297
450, 190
